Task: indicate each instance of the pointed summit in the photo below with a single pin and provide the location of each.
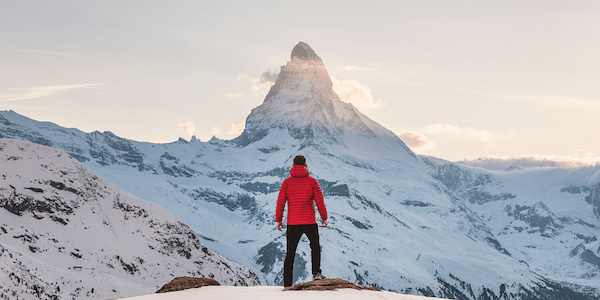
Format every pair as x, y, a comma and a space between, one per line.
305, 52
304, 73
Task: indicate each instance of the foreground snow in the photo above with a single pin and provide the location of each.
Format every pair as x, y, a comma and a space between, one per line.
275, 293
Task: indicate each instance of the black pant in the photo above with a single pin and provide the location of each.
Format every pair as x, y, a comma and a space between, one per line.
293, 235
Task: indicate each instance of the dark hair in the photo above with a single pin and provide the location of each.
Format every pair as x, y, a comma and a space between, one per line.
300, 160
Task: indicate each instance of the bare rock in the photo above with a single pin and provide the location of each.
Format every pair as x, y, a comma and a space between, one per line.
327, 284
184, 283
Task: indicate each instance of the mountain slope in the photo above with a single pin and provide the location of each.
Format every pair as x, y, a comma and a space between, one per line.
67, 233
397, 221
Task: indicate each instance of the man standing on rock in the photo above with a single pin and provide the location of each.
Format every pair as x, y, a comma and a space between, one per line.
301, 191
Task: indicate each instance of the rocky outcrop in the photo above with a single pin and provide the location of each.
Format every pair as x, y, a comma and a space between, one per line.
327, 284
185, 282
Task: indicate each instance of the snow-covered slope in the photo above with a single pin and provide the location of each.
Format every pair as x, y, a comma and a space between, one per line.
398, 221
65, 232
550, 220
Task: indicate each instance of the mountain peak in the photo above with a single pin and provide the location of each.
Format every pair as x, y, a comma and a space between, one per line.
303, 104
303, 51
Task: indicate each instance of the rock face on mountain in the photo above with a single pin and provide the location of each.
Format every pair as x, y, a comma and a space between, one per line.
398, 221
65, 232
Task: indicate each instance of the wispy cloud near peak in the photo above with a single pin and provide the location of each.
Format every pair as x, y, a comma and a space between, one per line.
18, 94
188, 127
417, 142
236, 129
356, 93
493, 162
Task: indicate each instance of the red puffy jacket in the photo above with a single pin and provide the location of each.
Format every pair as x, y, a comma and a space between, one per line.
301, 192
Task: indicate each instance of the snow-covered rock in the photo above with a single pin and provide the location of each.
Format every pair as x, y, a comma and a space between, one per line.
65, 232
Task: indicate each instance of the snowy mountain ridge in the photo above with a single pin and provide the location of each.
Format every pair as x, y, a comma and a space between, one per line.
67, 233
398, 221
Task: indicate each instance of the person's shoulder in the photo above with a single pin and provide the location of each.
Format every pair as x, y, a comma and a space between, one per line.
312, 179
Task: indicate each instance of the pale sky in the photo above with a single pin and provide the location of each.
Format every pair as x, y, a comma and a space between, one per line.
454, 79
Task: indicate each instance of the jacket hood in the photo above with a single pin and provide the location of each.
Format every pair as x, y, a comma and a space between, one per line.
299, 171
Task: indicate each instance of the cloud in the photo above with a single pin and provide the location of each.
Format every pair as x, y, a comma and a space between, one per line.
533, 161
483, 135
42, 91
236, 129
260, 83
216, 130
268, 78
232, 95
352, 68
187, 127
356, 93
416, 141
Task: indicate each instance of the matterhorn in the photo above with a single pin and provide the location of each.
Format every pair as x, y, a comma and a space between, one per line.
303, 102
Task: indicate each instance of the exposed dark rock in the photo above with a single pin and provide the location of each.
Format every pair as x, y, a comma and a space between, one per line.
589, 257
61, 186
16, 131
538, 217
248, 137
184, 283
19, 204
328, 284
303, 51
231, 201
269, 150
261, 187
109, 149
130, 268
359, 224
334, 188
172, 168
37, 190
269, 254
415, 203
593, 195
168, 156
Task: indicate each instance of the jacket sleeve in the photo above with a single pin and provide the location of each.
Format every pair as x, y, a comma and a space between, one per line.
281, 199
318, 194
